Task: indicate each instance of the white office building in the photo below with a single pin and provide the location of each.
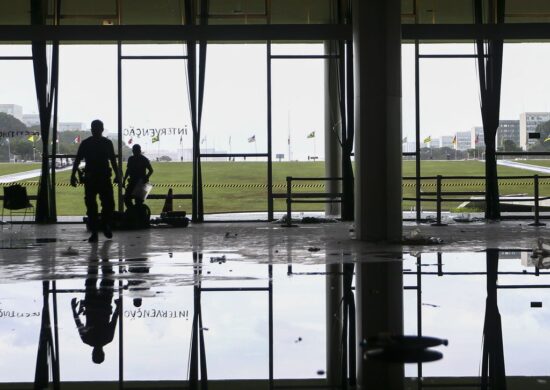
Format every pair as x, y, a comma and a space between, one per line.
71, 126
528, 122
31, 120
13, 110
463, 140
447, 141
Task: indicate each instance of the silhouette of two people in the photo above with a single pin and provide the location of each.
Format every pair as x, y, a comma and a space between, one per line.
98, 324
97, 151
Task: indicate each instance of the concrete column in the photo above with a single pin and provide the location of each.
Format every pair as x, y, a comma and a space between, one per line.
333, 127
377, 71
379, 294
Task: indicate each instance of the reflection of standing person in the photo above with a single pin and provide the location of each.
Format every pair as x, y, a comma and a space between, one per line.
97, 151
96, 307
139, 170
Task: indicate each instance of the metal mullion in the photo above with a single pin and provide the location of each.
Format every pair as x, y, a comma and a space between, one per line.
145, 57
119, 132
303, 56
270, 202
234, 154
15, 58
230, 289
450, 56
418, 183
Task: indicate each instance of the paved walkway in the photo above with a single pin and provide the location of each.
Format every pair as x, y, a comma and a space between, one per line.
528, 167
14, 177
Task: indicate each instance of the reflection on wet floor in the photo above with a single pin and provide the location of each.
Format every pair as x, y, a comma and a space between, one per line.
216, 315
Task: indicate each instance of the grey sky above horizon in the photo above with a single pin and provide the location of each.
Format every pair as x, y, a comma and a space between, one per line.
235, 108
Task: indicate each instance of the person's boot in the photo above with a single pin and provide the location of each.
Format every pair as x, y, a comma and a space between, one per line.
93, 237
107, 232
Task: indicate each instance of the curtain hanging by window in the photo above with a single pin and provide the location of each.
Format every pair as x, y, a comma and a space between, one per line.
196, 97
45, 64
489, 59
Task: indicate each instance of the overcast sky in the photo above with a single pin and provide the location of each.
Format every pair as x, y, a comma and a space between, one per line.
155, 94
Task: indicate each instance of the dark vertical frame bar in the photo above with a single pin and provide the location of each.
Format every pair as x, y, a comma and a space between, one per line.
120, 337
418, 182
269, 141
419, 309
270, 299
119, 131
53, 203
56, 331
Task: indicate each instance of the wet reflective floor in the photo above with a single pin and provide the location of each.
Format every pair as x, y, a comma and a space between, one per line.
257, 306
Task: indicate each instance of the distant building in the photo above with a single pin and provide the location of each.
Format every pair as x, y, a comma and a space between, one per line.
447, 141
508, 130
13, 110
70, 126
528, 122
409, 147
31, 120
477, 140
436, 143
463, 140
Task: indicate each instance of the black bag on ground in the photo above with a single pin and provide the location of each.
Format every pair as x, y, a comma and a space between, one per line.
137, 217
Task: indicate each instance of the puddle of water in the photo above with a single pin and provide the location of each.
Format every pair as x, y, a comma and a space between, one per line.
144, 312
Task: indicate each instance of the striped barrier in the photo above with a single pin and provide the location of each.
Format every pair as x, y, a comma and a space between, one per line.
318, 185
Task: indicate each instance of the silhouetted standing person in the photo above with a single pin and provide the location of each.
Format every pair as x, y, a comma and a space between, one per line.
96, 308
139, 170
97, 151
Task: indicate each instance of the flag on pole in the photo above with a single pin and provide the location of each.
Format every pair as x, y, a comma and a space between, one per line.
289, 139
311, 135
77, 139
203, 140
229, 140
252, 139
130, 141
404, 140
155, 138
547, 139
477, 139
454, 141
31, 138
181, 139
428, 139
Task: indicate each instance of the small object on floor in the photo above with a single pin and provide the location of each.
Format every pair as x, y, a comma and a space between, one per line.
318, 220
536, 304
230, 235
218, 259
320, 372
70, 251
416, 238
93, 237
313, 249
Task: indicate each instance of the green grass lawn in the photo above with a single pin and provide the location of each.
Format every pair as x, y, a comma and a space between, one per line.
9, 168
218, 197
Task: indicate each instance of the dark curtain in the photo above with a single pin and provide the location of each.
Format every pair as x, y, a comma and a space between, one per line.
489, 59
196, 96
45, 77
346, 101
493, 373
46, 358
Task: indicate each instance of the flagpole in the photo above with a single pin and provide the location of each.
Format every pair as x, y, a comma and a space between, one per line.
288, 128
9, 149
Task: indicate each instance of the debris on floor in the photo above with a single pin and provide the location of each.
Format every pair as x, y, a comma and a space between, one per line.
415, 237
